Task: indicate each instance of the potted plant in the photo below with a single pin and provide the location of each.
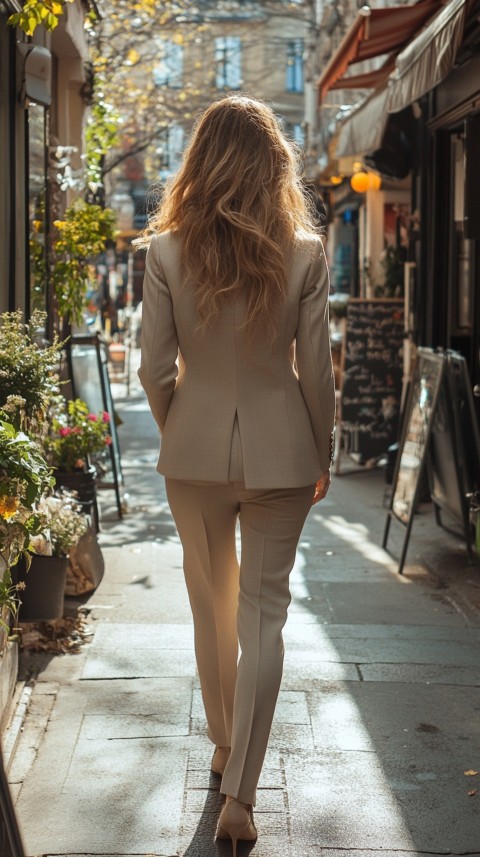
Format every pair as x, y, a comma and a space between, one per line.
28, 372
24, 476
75, 435
43, 584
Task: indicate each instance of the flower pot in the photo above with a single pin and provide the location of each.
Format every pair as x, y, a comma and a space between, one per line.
83, 483
42, 598
86, 565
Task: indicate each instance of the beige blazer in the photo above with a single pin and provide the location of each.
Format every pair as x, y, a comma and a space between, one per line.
198, 382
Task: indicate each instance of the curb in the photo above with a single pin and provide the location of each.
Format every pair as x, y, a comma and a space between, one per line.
20, 705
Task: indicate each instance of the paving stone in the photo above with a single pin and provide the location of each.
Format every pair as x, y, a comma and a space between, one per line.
304, 670
354, 603
292, 708
144, 782
118, 727
414, 722
138, 663
349, 800
143, 696
117, 635
368, 650
385, 631
284, 737
201, 800
308, 851
421, 674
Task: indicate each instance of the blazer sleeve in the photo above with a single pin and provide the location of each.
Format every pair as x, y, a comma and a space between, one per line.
314, 357
159, 343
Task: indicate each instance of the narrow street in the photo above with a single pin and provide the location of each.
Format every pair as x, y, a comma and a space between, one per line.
378, 718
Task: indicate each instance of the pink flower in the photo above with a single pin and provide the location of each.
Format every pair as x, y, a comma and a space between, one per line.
108, 440
64, 432
92, 418
76, 430
106, 417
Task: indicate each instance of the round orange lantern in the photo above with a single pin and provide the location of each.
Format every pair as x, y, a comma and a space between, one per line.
360, 182
374, 181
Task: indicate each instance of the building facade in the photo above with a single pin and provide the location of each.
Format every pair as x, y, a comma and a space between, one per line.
42, 109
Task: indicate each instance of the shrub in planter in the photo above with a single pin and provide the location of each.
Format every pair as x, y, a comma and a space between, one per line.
75, 435
24, 476
28, 377
63, 525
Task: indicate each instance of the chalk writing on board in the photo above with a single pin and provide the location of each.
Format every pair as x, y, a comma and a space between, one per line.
372, 375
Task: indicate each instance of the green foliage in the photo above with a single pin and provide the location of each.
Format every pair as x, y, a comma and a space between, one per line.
100, 137
24, 476
27, 372
8, 599
23, 472
81, 236
76, 434
35, 12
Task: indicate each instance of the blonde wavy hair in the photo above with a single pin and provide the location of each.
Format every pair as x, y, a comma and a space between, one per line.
238, 204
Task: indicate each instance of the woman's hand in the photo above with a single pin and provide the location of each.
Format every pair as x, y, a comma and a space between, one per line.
321, 487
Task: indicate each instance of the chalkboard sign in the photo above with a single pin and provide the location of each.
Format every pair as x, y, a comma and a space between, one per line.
449, 492
371, 378
90, 382
440, 433
418, 423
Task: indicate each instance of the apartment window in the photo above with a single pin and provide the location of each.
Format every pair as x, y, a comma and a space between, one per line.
228, 58
294, 76
169, 69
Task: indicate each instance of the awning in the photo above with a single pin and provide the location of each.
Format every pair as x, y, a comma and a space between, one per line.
373, 33
363, 130
428, 58
369, 79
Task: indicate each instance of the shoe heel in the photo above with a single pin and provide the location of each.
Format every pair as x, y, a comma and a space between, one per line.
236, 822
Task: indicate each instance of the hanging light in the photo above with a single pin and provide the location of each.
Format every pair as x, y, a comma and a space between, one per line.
374, 181
360, 182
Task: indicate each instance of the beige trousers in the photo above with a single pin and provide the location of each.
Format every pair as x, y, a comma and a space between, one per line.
236, 605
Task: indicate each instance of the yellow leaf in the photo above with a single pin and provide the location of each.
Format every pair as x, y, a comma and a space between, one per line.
133, 56
182, 96
57, 8
470, 773
178, 39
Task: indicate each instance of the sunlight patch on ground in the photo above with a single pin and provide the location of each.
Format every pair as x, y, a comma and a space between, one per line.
358, 537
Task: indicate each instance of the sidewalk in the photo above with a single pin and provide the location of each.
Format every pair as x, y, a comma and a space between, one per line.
377, 721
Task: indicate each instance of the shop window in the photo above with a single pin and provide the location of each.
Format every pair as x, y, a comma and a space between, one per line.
37, 190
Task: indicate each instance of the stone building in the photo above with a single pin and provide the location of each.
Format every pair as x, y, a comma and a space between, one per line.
221, 47
44, 83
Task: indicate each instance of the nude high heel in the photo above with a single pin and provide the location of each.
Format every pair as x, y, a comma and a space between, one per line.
219, 760
236, 822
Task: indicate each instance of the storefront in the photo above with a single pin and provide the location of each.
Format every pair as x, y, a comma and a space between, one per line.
439, 74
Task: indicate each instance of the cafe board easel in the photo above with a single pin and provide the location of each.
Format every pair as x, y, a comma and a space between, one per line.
440, 437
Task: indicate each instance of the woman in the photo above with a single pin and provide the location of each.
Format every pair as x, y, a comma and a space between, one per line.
237, 368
